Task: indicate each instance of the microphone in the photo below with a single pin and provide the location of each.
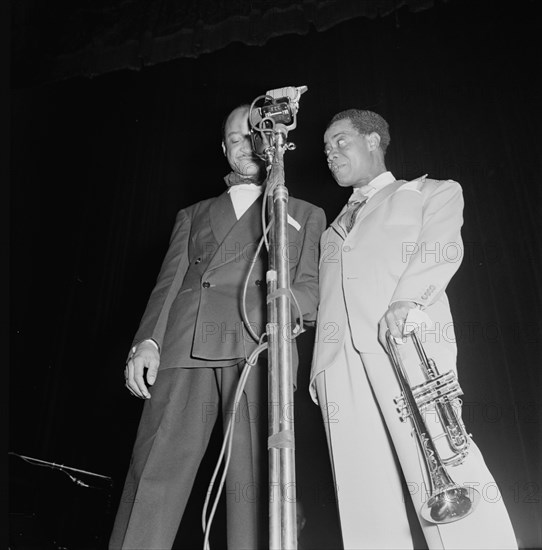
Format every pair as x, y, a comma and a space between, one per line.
277, 114
293, 93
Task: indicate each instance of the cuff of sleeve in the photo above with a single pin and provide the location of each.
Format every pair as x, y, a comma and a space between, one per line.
417, 304
151, 340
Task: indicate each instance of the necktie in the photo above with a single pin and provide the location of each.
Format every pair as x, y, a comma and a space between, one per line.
347, 219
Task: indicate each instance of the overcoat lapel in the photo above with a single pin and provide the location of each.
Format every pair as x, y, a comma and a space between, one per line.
242, 236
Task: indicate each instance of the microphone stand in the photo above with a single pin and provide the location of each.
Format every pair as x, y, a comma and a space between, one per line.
62, 468
281, 442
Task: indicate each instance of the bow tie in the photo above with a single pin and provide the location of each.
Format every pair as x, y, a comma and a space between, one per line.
233, 178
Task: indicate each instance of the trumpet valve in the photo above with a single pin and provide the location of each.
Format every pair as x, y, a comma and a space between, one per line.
434, 390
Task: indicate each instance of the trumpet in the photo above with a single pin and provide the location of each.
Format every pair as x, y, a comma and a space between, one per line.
447, 500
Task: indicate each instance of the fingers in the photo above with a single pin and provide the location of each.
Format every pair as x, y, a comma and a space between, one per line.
152, 371
135, 376
395, 324
129, 378
145, 357
382, 329
140, 362
394, 320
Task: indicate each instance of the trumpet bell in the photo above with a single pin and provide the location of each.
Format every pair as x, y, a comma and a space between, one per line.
450, 504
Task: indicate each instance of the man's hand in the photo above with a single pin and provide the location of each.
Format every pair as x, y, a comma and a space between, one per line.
145, 356
394, 320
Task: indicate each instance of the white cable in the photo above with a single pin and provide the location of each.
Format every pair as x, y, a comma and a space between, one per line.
227, 446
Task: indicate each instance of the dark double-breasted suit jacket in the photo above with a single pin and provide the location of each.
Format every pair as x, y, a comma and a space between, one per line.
195, 309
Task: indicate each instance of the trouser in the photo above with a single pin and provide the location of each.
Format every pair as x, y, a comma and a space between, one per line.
364, 434
172, 438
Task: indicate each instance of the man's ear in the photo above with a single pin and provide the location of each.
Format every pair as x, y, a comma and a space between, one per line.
373, 139
224, 148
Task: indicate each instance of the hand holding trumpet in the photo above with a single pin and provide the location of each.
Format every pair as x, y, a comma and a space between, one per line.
395, 320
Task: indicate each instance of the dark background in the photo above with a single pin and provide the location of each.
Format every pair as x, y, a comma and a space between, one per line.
100, 166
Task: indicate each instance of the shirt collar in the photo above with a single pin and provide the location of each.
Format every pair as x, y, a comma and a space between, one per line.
376, 184
252, 187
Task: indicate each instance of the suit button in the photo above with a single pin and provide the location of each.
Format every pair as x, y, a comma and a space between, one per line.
258, 283
206, 284
346, 248
198, 261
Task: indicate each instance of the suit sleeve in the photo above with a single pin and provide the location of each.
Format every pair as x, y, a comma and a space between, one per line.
305, 281
436, 256
154, 321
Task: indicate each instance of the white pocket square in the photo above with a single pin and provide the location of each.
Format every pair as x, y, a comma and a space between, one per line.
293, 223
414, 185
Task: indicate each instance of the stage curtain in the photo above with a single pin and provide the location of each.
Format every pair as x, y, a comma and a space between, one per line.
53, 41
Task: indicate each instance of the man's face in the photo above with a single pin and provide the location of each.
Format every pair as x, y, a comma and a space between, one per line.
348, 154
237, 145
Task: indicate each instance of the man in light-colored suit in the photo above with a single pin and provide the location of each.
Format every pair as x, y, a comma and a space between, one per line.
192, 342
385, 263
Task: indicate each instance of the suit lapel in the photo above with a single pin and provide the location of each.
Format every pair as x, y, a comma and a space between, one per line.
222, 216
334, 223
378, 199
371, 205
240, 233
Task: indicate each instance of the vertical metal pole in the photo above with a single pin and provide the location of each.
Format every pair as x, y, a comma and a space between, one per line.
283, 531
273, 390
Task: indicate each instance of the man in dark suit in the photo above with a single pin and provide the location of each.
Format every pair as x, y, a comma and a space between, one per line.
190, 350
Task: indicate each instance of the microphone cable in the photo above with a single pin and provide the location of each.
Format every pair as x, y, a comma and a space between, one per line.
225, 451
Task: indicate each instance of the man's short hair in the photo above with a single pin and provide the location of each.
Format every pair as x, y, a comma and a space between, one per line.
225, 119
366, 122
